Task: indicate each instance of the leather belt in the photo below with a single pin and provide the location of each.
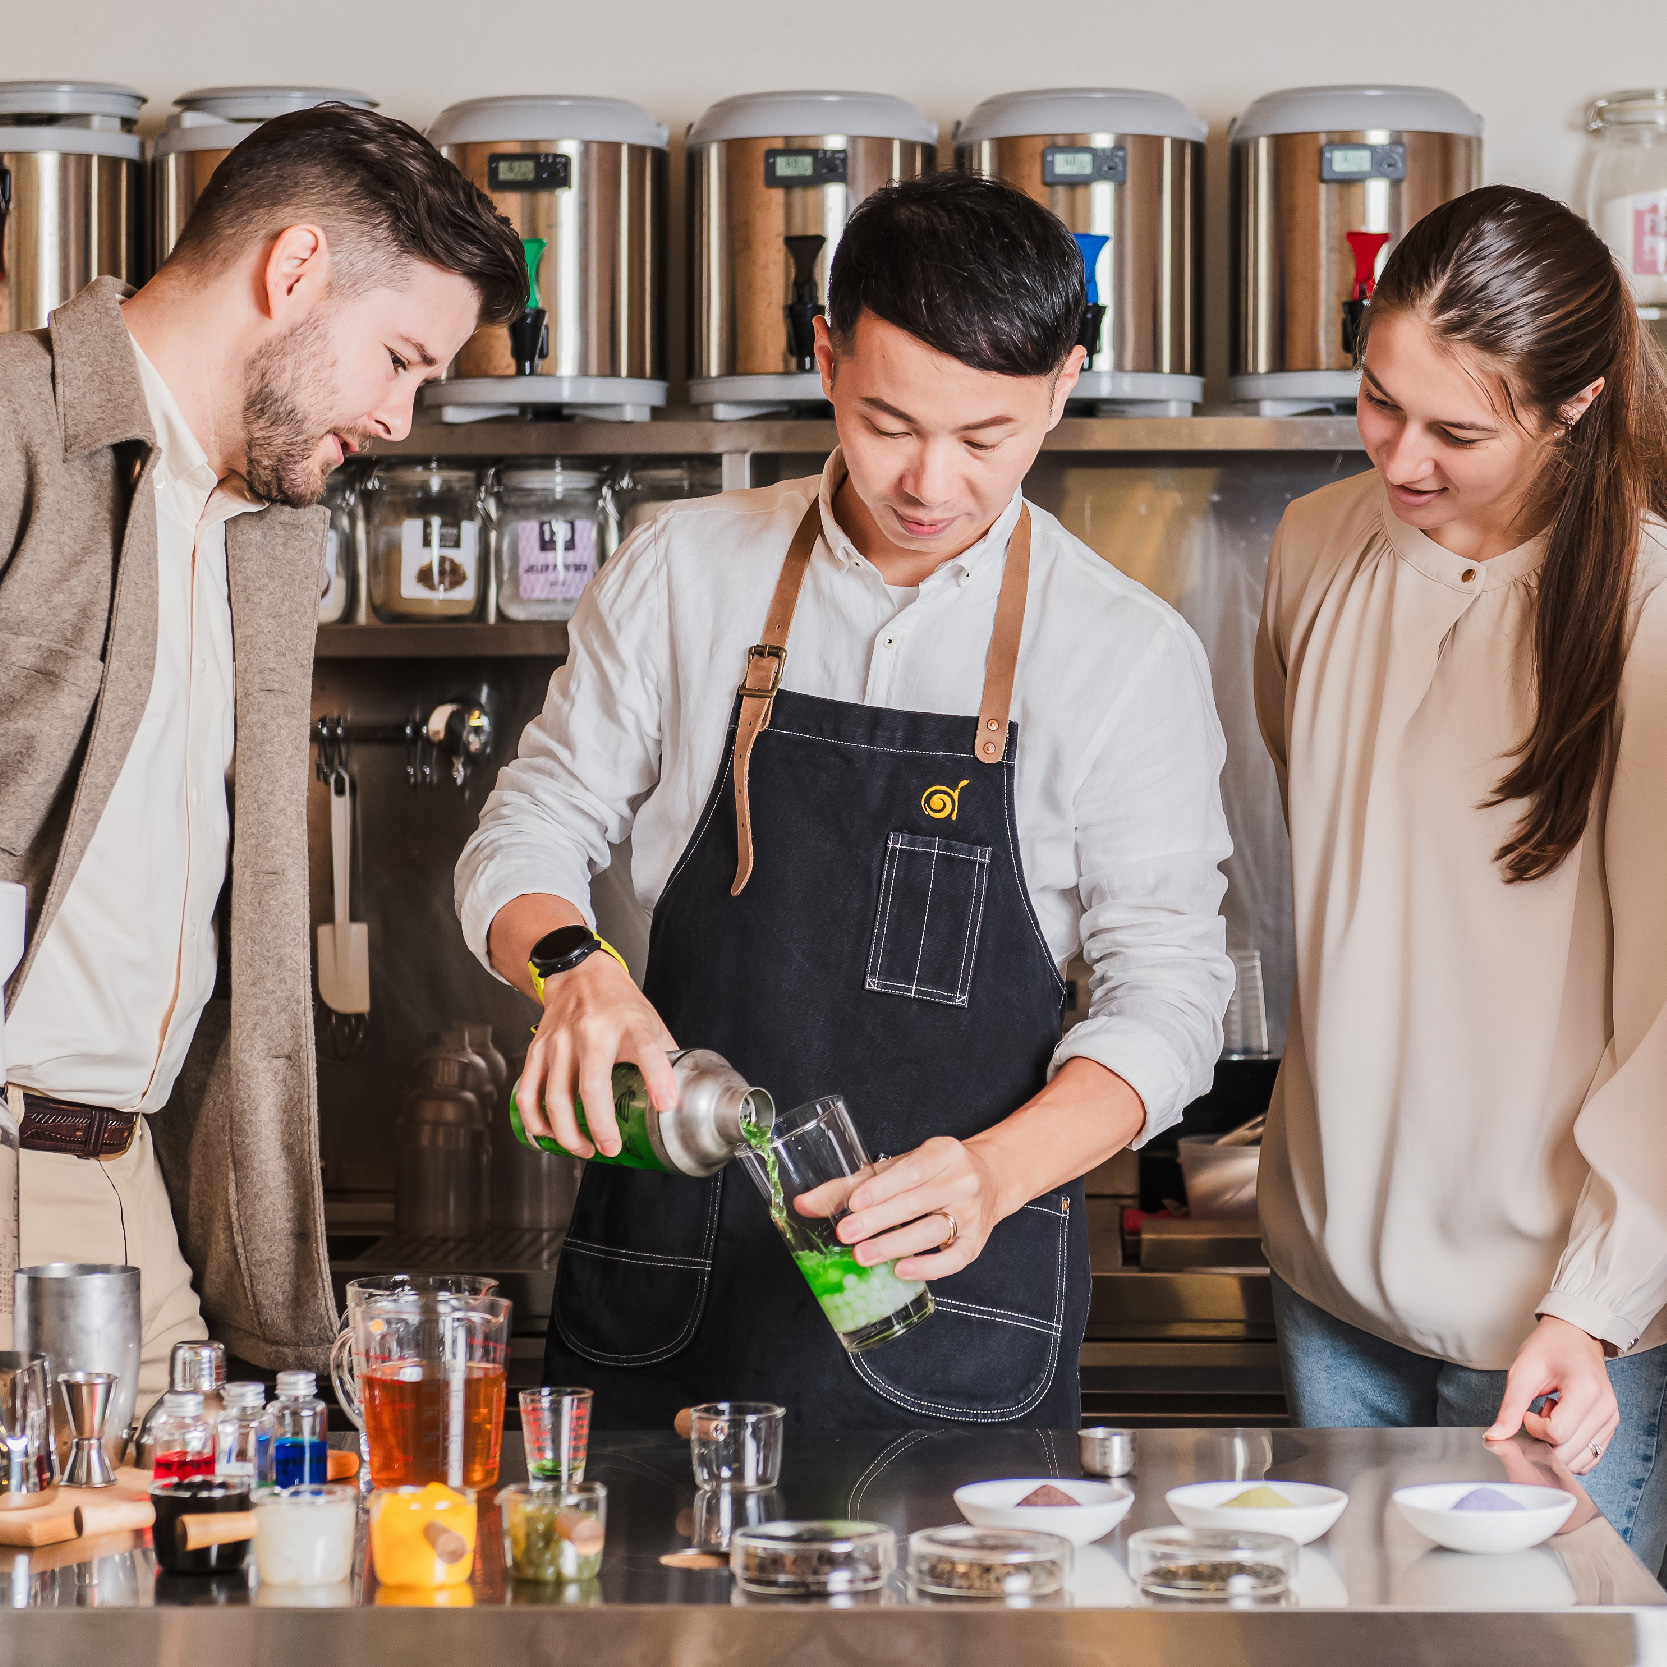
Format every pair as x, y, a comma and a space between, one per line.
77, 1131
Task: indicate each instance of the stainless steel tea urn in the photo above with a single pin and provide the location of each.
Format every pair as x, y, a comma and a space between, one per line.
1324, 179
69, 193
583, 180
1125, 171
197, 137
773, 177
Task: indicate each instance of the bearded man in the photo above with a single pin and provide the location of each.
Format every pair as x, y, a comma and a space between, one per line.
159, 581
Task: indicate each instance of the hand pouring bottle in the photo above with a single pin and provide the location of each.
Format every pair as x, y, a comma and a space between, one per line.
698, 1136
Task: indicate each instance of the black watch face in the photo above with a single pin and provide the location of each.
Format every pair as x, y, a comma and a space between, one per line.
558, 950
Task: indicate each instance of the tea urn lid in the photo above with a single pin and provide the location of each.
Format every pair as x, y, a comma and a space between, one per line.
1356, 109
793, 115
1080, 110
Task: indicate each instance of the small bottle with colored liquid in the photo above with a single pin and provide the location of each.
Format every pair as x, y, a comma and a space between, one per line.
294, 1426
182, 1439
240, 1435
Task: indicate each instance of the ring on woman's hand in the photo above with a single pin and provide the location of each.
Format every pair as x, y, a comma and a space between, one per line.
1597, 1451
954, 1230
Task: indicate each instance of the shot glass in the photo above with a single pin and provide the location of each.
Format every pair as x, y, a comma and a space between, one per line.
555, 1427
736, 1445
422, 1537
807, 1165
552, 1534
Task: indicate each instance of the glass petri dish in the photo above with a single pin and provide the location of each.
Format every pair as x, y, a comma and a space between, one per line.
813, 1558
1211, 1565
962, 1561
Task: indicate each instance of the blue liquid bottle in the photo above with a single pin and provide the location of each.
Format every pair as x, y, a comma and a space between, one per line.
295, 1450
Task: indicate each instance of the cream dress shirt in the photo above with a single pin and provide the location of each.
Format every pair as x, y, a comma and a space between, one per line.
1470, 1124
113, 998
1120, 752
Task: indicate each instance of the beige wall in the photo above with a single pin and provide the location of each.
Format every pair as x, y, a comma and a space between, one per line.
1528, 66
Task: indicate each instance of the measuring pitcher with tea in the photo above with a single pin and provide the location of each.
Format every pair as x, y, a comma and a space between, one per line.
421, 1369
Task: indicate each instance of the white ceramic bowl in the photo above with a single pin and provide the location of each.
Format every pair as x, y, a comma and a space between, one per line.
1313, 1508
1430, 1510
1100, 1506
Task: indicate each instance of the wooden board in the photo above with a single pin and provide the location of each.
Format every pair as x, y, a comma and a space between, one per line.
54, 1521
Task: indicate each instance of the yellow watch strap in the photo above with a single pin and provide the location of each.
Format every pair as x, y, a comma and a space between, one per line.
601, 943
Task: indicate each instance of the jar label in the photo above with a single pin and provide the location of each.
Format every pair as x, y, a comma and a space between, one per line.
437, 558
1649, 234
555, 560
330, 592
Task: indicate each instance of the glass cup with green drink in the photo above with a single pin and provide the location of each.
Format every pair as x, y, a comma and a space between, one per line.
815, 1150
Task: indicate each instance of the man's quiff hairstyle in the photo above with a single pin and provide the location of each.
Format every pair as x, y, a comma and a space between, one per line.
382, 194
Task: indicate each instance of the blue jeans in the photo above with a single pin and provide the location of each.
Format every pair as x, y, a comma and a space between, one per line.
1338, 1377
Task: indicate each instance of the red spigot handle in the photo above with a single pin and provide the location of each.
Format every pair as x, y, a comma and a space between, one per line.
1365, 247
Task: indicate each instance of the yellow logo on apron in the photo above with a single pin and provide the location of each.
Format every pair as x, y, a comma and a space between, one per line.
942, 803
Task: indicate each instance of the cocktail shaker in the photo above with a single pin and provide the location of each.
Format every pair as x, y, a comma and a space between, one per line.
84, 1317
698, 1136
28, 1475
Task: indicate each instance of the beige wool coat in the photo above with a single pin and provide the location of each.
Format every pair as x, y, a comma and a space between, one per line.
238, 1140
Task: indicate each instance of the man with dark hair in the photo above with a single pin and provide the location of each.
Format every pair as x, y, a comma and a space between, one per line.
159, 581
980, 748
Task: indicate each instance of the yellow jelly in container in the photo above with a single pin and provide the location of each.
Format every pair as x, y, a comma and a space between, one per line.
423, 1538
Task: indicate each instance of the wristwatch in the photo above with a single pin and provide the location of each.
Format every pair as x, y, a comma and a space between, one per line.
562, 950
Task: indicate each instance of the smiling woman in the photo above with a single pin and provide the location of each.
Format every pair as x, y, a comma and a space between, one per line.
1462, 678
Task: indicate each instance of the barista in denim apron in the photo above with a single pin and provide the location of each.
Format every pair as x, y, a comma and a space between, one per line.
849, 917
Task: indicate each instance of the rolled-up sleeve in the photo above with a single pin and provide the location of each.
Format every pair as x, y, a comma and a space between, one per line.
1612, 1278
586, 760
1151, 837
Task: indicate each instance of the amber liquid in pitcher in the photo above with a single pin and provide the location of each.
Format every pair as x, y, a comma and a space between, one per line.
412, 1420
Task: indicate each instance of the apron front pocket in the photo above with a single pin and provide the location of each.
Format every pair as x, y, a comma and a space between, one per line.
635, 1265
927, 919
990, 1350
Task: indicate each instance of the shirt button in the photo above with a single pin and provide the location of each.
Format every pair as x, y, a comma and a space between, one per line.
889, 642
1468, 574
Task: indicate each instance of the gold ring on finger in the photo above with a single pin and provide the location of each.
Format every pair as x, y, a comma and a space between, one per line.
954, 1230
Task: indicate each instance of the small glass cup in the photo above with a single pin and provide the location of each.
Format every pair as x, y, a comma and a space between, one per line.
555, 1427
814, 1149
736, 1445
196, 1496
813, 1558
721, 1513
422, 1537
552, 1534
304, 1535
1212, 1565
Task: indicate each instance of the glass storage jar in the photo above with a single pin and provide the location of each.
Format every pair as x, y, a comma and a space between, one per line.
548, 535
1626, 192
641, 490
423, 525
341, 548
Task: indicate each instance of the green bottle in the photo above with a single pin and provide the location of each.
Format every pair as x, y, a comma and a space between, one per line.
708, 1126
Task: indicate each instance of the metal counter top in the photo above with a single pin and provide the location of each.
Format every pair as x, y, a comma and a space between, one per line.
1372, 1590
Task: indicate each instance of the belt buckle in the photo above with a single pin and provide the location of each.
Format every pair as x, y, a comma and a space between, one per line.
127, 1145
777, 658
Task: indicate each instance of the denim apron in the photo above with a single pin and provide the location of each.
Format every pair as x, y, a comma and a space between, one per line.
849, 917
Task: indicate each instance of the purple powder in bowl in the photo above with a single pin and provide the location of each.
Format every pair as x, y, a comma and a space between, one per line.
1488, 1499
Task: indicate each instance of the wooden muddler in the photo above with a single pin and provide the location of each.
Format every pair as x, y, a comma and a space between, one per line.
449, 1545
684, 1422
342, 1465
206, 1528
113, 1516
584, 1533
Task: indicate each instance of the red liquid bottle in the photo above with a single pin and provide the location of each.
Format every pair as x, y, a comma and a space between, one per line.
182, 1463
183, 1439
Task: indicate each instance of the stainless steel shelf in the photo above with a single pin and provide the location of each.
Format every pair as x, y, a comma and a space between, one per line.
443, 640
687, 436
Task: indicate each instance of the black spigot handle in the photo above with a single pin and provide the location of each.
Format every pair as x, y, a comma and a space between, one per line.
529, 341
1088, 338
806, 307
1354, 315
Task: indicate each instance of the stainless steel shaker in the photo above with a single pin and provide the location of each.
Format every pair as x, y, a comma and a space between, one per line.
84, 1317
28, 1471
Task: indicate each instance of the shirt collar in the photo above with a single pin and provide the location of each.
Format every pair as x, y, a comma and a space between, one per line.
180, 459
1468, 577
969, 561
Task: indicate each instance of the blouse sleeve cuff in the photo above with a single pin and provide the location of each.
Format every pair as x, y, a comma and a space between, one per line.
1592, 1318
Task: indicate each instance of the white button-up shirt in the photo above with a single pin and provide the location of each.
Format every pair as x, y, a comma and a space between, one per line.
111, 1003
1119, 757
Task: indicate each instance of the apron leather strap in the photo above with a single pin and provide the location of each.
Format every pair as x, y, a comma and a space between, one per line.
1003, 659
767, 660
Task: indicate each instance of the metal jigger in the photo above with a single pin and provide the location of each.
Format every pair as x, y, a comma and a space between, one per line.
87, 1400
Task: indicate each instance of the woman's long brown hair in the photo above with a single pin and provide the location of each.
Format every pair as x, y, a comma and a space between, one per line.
1526, 285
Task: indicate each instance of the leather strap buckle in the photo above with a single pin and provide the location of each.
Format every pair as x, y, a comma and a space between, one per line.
775, 661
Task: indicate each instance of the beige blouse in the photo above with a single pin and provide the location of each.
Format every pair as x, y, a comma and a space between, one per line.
1470, 1123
